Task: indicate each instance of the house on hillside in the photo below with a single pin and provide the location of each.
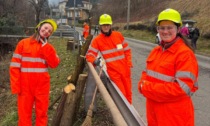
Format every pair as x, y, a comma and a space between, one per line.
58, 13
62, 7
66, 11
78, 10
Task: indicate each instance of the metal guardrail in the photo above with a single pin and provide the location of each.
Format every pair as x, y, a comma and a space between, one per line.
15, 38
128, 112
21, 32
117, 117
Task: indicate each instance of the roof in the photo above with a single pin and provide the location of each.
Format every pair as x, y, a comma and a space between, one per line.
78, 3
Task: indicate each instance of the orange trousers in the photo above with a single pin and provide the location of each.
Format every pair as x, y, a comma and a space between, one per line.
25, 109
123, 82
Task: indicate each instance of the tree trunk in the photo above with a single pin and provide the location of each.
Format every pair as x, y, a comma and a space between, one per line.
73, 99
65, 99
81, 61
58, 115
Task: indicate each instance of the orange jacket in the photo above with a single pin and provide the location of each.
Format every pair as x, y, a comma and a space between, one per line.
117, 56
29, 65
85, 31
170, 78
114, 50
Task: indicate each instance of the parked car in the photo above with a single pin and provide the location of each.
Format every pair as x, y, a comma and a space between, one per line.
157, 39
65, 27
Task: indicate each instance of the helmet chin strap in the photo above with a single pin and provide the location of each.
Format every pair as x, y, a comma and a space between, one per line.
107, 33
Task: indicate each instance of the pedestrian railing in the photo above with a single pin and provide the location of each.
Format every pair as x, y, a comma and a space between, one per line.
17, 32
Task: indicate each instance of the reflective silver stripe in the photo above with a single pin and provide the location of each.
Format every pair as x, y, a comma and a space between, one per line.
90, 54
123, 42
35, 70
14, 64
93, 49
160, 76
185, 87
15, 55
111, 51
196, 84
126, 48
29, 59
114, 58
179, 74
185, 74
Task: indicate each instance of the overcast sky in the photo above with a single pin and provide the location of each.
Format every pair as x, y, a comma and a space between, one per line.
54, 1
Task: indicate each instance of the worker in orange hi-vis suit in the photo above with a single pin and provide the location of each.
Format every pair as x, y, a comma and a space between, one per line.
29, 75
171, 75
85, 30
116, 53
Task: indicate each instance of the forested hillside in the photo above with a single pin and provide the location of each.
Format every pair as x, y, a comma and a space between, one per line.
145, 11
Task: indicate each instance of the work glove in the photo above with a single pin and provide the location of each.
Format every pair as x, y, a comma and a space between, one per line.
97, 61
43, 41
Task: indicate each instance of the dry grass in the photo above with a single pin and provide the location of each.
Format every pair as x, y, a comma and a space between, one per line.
8, 101
197, 10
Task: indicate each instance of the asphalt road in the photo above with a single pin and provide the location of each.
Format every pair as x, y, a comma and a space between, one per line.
201, 98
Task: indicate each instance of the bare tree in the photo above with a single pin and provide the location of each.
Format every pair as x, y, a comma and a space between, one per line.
39, 6
15, 12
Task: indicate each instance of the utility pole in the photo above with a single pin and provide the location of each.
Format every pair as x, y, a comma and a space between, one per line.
128, 15
50, 12
74, 18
